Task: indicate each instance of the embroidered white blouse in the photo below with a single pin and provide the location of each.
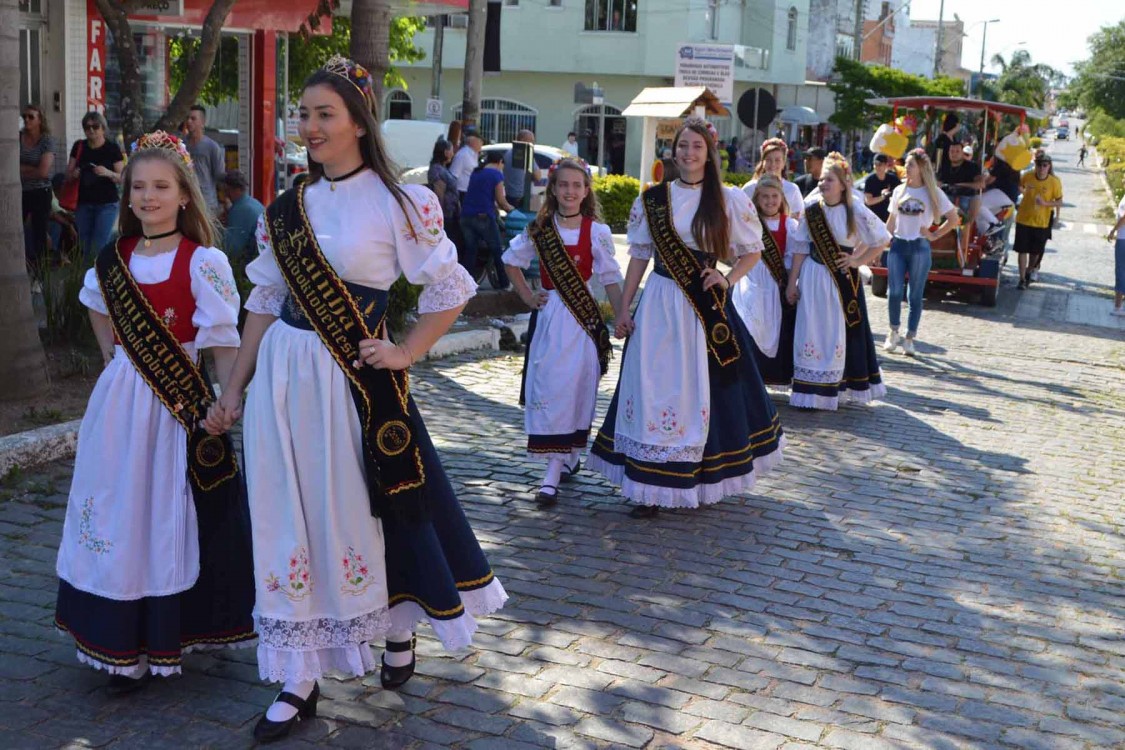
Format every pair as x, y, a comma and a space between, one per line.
366, 237
212, 286
870, 229
521, 251
745, 229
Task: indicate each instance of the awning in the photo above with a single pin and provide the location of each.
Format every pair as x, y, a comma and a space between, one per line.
672, 101
800, 115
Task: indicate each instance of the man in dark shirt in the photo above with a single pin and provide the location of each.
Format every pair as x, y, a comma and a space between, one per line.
963, 182
814, 160
879, 185
949, 127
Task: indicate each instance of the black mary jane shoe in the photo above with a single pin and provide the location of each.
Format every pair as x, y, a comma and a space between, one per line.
644, 511
266, 731
120, 685
570, 472
547, 499
396, 677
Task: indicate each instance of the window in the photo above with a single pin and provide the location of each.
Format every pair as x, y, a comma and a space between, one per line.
398, 106
512, 3
791, 36
502, 119
611, 15
457, 21
29, 66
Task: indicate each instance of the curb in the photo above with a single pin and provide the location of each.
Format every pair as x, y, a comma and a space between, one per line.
25, 450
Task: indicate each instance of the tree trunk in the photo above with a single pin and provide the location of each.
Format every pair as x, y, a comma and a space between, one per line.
200, 68
474, 62
371, 43
23, 367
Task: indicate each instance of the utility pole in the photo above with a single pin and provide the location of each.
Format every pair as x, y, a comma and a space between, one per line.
474, 62
940, 39
857, 48
980, 74
439, 41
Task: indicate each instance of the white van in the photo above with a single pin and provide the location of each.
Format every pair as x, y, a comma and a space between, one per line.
410, 143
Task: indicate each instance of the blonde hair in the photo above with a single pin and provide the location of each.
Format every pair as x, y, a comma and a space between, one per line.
774, 182
193, 222
837, 164
589, 207
929, 181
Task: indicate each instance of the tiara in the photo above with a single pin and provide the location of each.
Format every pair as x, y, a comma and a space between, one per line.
706, 125
772, 144
836, 159
158, 139
353, 73
570, 161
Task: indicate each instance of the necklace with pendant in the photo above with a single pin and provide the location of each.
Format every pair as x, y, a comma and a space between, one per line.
150, 237
333, 180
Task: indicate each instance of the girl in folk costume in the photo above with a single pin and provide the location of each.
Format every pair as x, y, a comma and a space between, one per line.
570, 348
690, 422
834, 353
775, 161
155, 554
759, 296
357, 532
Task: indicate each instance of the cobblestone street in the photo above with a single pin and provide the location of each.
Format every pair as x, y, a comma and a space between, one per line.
943, 570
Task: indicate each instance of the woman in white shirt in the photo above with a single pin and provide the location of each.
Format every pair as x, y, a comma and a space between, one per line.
916, 205
775, 158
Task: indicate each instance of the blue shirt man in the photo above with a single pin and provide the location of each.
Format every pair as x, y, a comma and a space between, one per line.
242, 217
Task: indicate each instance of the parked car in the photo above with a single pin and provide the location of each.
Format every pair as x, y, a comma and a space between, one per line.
1062, 134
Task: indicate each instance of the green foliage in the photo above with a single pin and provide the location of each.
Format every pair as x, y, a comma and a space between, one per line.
1101, 125
1111, 149
1036, 141
309, 54
67, 318
403, 300
859, 82
737, 179
1021, 81
1100, 81
222, 83
616, 193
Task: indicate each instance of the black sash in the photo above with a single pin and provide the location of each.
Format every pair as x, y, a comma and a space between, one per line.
395, 476
570, 285
685, 269
165, 366
825, 250
773, 256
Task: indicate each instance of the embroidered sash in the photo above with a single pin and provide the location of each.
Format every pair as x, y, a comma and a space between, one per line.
772, 255
395, 475
825, 251
572, 289
164, 364
685, 269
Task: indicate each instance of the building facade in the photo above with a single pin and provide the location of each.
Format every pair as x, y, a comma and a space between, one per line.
917, 45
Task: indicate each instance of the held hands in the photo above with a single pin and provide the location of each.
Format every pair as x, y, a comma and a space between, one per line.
712, 277
223, 413
383, 355
624, 326
791, 294
537, 300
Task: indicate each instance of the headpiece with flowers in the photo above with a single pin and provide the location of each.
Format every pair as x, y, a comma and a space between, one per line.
571, 161
158, 139
836, 159
353, 73
700, 122
774, 144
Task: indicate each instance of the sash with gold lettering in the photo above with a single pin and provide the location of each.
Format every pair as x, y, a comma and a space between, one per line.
684, 268
825, 251
166, 367
395, 475
572, 289
774, 256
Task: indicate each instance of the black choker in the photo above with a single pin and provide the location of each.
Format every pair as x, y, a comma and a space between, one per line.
150, 237
333, 180
691, 184
569, 216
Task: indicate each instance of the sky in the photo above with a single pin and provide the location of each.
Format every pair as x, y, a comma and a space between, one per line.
1053, 31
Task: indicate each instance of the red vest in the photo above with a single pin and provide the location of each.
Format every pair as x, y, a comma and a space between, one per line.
582, 253
780, 234
172, 299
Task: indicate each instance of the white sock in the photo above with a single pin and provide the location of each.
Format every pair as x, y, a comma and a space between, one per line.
575, 457
138, 671
554, 472
283, 711
398, 658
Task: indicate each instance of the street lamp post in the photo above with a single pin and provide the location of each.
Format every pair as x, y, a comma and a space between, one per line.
983, 40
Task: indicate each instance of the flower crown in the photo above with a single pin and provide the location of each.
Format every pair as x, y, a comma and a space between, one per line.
353, 73
774, 144
572, 162
158, 139
706, 125
836, 159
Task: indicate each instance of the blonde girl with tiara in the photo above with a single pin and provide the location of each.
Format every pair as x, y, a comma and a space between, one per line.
155, 554
759, 297
917, 205
833, 350
775, 161
569, 347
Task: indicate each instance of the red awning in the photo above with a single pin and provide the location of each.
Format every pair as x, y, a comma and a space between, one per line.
248, 15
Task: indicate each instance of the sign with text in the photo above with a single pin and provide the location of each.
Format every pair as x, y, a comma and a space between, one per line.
95, 59
710, 65
433, 110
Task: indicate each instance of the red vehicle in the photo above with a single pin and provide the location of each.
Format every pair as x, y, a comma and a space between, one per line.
969, 263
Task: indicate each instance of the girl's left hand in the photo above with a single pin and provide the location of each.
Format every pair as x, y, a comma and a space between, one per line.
382, 354
713, 277
845, 261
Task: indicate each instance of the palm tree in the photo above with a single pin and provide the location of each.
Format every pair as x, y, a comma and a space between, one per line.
1021, 81
23, 366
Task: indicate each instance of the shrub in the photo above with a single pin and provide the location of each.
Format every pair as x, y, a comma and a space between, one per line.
737, 179
616, 194
403, 301
1112, 152
1036, 142
67, 317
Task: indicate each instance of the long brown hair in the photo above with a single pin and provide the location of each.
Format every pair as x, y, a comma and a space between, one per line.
589, 207
371, 147
773, 144
194, 222
837, 164
709, 228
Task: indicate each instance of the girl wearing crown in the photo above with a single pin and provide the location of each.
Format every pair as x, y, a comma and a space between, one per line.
833, 350
357, 532
775, 161
155, 553
759, 296
570, 348
690, 422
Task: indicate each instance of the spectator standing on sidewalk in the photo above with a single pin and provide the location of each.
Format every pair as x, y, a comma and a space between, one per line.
515, 180
465, 160
1118, 259
1042, 194
242, 216
37, 158
571, 145
478, 214
206, 156
440, 179
97, 164
814, 161
878, 186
